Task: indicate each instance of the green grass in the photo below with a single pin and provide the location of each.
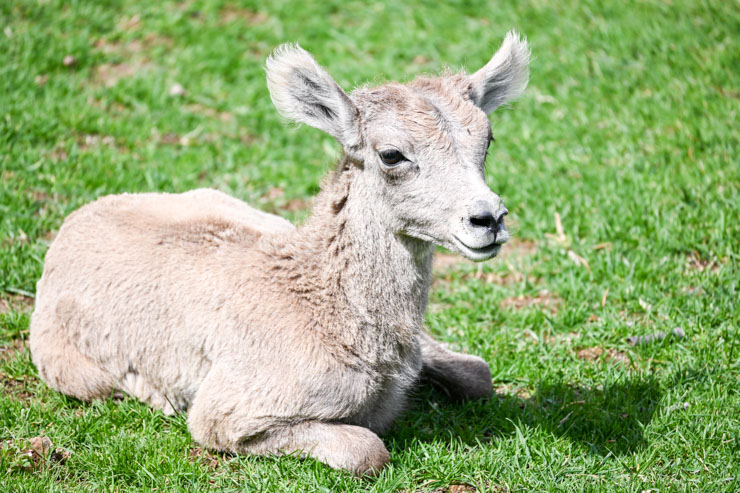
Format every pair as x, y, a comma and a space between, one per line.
628, 131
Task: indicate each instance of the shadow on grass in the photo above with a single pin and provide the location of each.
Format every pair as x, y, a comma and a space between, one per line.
608, 419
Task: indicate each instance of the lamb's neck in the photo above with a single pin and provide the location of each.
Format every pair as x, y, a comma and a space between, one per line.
383, 277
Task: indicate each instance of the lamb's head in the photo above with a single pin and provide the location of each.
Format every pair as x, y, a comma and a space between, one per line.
418, 150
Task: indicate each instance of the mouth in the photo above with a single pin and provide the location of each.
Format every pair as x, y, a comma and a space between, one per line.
477, 254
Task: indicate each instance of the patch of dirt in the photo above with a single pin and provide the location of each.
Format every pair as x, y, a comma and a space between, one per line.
443, 261
693, 290
17, 387
200, 109
518, 248
247, 138
508, 278
173, 139
128, 58
108, 47
86, 142
696, 263
274, 201
545, 300
515, 248
45, 200
231, 14
31, 454
107, 106
274, 193
58, 154
507, 390
633, 319
296, 205
590, 353
595, 353
38, 195
558, 338
728, 93
16, 303
614, 356
438, 307
16, 238
198, 454
50, 236
9, 351
108, 74
460, 488
133, 47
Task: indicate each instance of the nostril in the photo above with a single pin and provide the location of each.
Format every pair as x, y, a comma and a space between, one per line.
483, 220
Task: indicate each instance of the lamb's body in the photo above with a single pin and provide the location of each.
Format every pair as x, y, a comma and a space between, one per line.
278, 339
205, 278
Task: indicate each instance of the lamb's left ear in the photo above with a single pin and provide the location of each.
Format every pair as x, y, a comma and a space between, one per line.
504, 77
303, 91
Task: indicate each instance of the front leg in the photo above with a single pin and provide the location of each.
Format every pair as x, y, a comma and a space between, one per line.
460, 376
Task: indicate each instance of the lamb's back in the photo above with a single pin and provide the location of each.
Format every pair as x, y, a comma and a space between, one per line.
144, 281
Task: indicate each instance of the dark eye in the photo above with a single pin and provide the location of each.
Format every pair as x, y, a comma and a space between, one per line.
391, 157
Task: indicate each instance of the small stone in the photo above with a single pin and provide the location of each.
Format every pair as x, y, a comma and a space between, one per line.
677, 333
590, 354
41, 445
177, 90
69, 60
460, 488
60, 455
681, 406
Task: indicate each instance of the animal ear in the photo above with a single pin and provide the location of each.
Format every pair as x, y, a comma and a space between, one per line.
504, 77
303, 91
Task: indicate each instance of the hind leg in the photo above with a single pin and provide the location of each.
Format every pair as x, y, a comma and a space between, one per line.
61, 365
220, 417
353, 448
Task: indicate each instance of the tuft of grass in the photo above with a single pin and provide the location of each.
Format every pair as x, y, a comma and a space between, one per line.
627, 134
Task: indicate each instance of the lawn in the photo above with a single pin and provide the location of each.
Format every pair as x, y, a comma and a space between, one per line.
619, 167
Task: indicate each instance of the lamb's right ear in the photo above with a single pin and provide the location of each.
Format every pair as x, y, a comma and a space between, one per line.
504, 77
303, 91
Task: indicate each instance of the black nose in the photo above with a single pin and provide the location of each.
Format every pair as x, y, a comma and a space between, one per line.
483, 217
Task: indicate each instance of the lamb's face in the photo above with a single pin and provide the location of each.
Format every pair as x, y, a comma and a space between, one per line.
424, 146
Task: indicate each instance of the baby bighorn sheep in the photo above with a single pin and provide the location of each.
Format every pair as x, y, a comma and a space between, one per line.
278, 339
